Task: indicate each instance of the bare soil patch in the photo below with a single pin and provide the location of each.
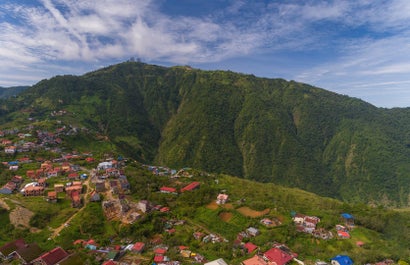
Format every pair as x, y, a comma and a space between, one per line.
252, 213
225, 216
4, 205
20, 217
212, 206
228, 206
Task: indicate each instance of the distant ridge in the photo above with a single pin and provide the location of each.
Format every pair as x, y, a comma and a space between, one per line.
6, 92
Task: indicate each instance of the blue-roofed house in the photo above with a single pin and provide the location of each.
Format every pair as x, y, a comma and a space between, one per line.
348, 219
341, 260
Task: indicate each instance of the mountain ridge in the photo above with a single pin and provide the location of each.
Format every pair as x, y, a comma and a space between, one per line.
269, 130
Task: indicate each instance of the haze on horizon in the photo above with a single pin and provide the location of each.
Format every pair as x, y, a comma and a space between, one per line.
358, 48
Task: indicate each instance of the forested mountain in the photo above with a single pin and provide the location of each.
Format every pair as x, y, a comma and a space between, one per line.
269, 130
6, 92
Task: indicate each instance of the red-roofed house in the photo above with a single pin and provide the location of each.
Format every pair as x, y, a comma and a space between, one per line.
343, 234
30, 173
192, 186
6, 251
255, 260
250, 247
167, 190
138, 247
52, 257
73, 176
278, 256
75, 199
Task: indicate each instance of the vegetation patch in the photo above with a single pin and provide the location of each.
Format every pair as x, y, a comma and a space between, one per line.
225, 216
246, 211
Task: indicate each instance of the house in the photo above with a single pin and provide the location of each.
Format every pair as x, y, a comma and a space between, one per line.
341, 260
52, 173
112, 172
17, 179
104, 165
42, 182
343, 234
250, 247
222, 198
217, 262
75, 199
52, 196
59, 187
255, 260
8, 188
159, 254
138, 247
28, 253
73, 188
279, 255
6, 142
348, 219
167, 190
192, 186
7, 250
14, 168
31, 174
73, 176
53, 257
252, 231
144, 206
10, 149
33, 191
95, 196
89, 159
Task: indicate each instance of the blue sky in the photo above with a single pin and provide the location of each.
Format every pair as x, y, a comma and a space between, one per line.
359, 48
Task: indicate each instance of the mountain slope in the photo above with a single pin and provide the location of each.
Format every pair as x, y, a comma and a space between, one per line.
269, 130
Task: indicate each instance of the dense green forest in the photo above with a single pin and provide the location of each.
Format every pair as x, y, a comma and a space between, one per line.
269, 130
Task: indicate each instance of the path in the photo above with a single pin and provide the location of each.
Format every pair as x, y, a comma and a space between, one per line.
56, 231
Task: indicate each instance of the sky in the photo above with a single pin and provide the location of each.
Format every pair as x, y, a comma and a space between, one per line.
359, 48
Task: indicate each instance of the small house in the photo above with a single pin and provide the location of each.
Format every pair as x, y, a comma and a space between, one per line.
59, 187
7, 250
95, 196
144, 206
52, 196
252, 231
341, 260
10, 149
191, 186
52, 257
138, 247
75, 199
217, 262
167, 190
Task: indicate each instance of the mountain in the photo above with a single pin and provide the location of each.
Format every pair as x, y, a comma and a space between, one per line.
6, 92
269, 130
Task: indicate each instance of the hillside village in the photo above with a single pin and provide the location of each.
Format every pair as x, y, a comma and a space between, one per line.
40, 167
